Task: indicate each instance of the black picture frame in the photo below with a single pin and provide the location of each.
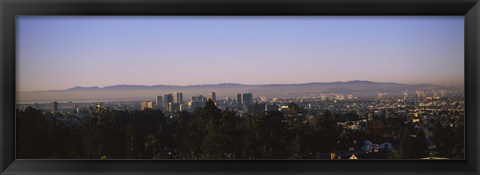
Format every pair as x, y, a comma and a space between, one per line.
11, 8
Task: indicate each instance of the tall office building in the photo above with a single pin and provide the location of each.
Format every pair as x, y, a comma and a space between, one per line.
228, 99
239, 98
146, 105
247, 98
271, 107
178, 97
196, 101
167, 99
198, 98
173, 107
53, 106
212, 96
159, 102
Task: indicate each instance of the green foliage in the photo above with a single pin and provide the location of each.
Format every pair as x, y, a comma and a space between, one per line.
413, 144
210, 133
458, 151
32, 133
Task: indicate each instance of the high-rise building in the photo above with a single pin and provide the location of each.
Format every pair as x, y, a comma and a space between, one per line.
197, 101
159, 102
173, 107
212, 96
198, 98
53, 106
182, 107
271, 107
178, 97
228, 99
247, 98
167, 99
195, 104
239, 98
146, 105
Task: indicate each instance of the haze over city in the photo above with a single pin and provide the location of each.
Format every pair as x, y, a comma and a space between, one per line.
62, 52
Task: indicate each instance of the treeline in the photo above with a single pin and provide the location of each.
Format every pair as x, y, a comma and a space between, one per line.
206, 133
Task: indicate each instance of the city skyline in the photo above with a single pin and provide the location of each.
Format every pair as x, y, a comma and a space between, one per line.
135, 92
55, 53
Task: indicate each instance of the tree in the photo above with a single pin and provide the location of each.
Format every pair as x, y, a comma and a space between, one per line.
273, 136
187, 135
232, 137
420, 145
294, 148
153, 147
458, 142
439, 135
210, 113
90, 137
111, 134
327, 132
405, 144
213, 142
413, 146
32, 134
252, 131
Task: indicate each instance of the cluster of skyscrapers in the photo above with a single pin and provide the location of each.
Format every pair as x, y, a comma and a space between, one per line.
174, 102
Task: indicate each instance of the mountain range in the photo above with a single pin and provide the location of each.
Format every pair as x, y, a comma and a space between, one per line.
353, 85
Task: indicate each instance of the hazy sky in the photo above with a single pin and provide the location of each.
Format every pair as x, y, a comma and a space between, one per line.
55, 52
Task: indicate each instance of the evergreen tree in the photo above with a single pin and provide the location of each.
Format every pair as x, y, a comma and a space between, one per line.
405, 142
32, 134
212, 146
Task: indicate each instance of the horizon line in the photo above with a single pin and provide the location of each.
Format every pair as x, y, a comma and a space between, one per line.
237, 84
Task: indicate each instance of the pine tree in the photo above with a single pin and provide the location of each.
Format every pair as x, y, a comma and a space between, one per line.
405, 144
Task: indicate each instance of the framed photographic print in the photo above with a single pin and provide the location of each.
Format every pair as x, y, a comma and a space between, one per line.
239, 87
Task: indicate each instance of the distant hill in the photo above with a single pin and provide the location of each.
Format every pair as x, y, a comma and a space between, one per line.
328, 86
155, 87
357, 84
79, 88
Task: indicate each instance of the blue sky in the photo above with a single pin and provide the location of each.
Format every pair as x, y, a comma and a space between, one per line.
60, 52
